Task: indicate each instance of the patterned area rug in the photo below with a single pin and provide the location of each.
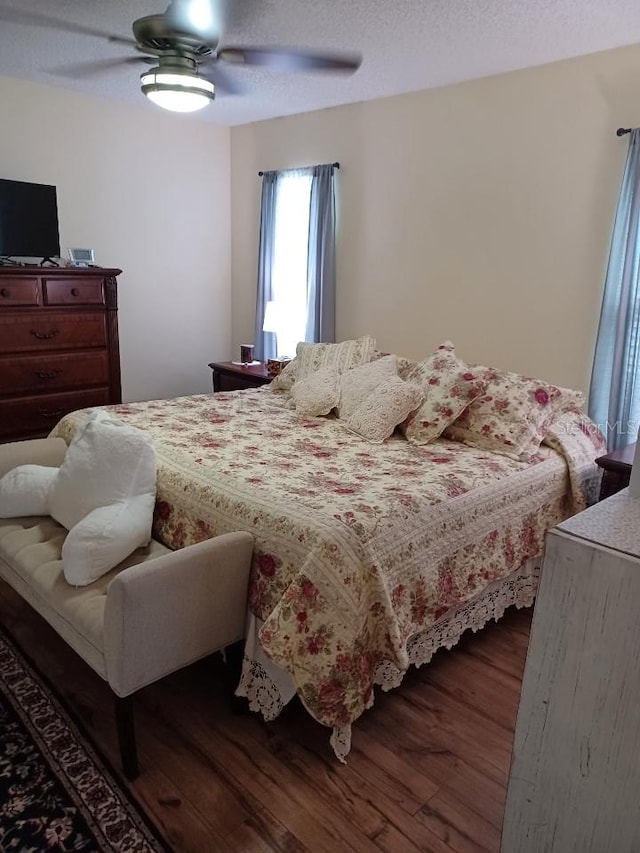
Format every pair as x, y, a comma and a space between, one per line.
55, 793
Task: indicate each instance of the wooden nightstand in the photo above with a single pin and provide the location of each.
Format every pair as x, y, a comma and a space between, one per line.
617, 470
228, 376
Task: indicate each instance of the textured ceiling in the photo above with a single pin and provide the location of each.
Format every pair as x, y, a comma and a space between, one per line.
406, 45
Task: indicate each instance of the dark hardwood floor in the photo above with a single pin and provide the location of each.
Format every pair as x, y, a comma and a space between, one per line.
427, 770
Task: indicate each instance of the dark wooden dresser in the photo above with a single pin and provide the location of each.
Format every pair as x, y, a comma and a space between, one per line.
58, 345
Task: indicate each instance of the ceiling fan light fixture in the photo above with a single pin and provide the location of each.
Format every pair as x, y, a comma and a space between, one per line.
177, 89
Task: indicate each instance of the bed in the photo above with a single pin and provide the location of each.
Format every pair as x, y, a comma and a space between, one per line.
368, 558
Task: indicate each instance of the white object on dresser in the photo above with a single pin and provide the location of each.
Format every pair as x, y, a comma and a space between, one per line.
575, 771
82, 257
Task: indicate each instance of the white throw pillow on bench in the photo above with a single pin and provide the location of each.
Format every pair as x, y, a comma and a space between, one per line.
25, 491
103, 493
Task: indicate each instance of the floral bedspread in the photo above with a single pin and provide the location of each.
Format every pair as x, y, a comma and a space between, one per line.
358, 547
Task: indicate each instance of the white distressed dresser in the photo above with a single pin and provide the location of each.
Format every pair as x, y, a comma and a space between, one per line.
574, 785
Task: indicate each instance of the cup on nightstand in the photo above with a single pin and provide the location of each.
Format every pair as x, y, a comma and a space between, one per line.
246, 353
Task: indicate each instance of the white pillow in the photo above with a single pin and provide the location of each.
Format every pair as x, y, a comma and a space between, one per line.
359, 382
25, 491
105, 537
315, 395
109, 466
107, 461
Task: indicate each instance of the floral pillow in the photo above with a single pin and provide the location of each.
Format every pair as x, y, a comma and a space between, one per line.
356, 384
315, 395
449, 386
386, 406
513, 415
342, 356
405, 365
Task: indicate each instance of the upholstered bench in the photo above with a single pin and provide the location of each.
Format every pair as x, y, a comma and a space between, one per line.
156, 612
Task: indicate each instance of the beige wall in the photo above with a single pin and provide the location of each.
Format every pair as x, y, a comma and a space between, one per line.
479, 212
151, 194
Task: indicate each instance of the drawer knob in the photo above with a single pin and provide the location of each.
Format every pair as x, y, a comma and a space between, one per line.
45, 375
5, 292
75, 291
51, 413
44, 336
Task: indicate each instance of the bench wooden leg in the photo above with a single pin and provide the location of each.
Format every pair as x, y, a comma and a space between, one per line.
126, 736
234, 656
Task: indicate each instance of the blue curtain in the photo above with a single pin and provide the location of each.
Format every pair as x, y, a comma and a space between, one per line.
321, 258
614, 395
265, 342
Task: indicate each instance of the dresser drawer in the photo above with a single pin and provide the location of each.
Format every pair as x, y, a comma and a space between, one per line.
34, 373
19, 291
34, 416
40, 330
73, 291
226, 382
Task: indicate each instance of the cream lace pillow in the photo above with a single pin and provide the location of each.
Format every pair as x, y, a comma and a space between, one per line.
342, 356
315, 395
449, 386
376, 417
356, 384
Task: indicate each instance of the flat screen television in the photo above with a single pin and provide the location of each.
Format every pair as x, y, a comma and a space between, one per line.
28, 220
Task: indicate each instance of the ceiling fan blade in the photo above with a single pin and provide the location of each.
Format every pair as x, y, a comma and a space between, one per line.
35, 19
208, 19
224, 82
83, 69
201, 19
285, 59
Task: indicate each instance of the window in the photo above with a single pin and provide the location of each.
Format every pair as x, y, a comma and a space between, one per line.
290, 259
296, 261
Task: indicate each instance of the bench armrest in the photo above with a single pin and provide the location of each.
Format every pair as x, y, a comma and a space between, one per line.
168, 612
37, 451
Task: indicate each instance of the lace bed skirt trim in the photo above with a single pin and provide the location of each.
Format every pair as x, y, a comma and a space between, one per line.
268, 688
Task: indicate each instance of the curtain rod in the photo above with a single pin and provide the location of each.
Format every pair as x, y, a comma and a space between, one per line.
335, 166
622, 131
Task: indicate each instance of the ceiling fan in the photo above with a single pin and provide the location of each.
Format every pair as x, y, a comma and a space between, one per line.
185, 45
